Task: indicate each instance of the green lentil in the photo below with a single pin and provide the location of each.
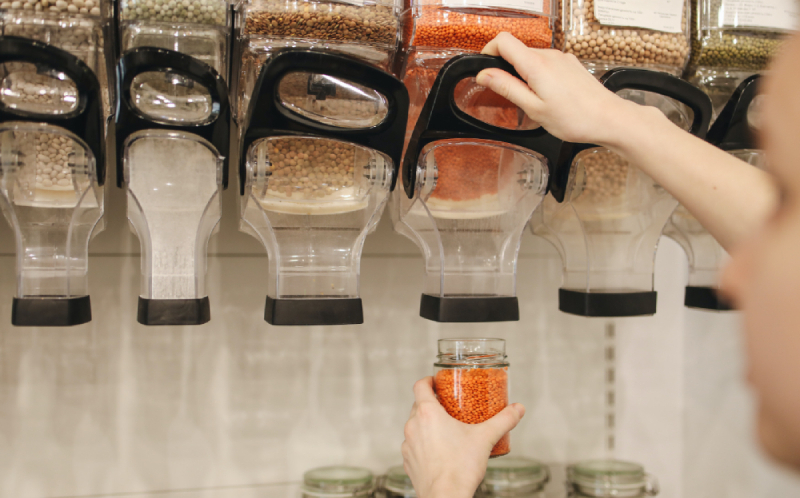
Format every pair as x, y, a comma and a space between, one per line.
728, 48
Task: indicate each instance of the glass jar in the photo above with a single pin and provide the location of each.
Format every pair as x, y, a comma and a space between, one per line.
397, 484
603, 37
517, 477
609, 479
337, 481
471, 381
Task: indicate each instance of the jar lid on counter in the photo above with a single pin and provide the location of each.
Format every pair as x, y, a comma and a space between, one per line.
398, 482
610, 478
337, 481
514, 475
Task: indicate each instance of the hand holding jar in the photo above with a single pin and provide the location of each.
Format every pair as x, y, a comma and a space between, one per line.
443, 456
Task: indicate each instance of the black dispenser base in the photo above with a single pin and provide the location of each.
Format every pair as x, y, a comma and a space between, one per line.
607, 304
334, 311
51, 311
460, 309
705, 298
174, 311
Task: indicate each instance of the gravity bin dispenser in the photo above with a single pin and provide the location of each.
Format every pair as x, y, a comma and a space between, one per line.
173, 122
52, 164
321, 141
470, 188
731, 132
610, 215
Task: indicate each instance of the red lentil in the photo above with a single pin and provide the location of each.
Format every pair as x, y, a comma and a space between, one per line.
466, 172
474, 395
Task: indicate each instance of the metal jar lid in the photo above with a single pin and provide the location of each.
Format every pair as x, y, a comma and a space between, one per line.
610, 479
338, 482
511, 476
398, 482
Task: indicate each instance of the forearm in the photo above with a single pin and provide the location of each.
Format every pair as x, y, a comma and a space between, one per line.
729, 197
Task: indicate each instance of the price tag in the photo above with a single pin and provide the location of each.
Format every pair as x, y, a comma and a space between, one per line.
658, 15
779, 15
532, 6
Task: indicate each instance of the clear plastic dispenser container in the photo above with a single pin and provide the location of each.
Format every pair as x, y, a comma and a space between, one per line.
198, 28
173, 122
609, 479
514, 477
733, 131
83, 28
338, 482
605, 34
471, 382
734, 39
365, 29
321, 142
52, 169
470, 188
395, 484
437, 30
610, 215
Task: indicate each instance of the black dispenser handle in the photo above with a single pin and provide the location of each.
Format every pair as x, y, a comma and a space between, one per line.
442, 119
86, 120
658, 82
267, 116
731, 130
129, 119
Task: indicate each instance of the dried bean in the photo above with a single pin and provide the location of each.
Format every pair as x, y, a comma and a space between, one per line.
579, 32
182, 11
303, 168
375, 24
86, 7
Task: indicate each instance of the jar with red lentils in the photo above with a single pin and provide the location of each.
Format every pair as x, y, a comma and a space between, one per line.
471, 381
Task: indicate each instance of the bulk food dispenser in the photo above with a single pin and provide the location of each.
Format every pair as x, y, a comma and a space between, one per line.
434, 31
322, 139
605, 34
470, 189
734, 39
731, 132
52, 169
367, 30
198, 28
172, 146
610, 215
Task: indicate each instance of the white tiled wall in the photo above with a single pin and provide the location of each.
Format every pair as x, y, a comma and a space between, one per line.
237, 408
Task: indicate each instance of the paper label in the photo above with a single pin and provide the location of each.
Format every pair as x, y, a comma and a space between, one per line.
532, 6
769, 14
658, 15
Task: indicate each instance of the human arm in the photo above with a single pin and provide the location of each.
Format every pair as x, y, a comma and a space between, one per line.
730, 198
446, 458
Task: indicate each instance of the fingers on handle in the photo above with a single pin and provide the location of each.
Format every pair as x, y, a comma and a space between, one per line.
423, 390
511, 88
503, 422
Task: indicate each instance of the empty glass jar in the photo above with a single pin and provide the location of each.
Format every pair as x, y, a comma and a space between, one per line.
337, 481
609, 479
471, 381
517, 477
